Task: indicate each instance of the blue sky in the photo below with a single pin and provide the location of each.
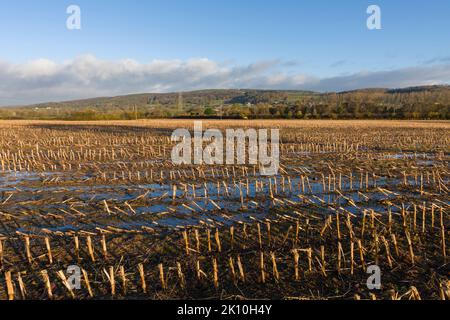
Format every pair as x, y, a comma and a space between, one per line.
290, 43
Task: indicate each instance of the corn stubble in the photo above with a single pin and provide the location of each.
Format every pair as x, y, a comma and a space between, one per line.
105, 197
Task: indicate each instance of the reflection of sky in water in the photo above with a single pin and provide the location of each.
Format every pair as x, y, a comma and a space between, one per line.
161, 211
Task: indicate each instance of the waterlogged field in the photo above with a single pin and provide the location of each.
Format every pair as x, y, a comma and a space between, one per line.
105, 198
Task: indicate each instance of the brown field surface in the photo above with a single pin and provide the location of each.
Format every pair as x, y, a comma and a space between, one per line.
175, 123
105, 198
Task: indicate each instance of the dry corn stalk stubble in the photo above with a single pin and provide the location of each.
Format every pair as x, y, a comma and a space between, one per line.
105, 197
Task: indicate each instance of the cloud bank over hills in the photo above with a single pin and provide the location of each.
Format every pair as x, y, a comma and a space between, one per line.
88, 76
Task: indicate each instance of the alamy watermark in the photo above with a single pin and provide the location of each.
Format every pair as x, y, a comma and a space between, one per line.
233, 149
74, 277
73, 22
374, 20
374, 280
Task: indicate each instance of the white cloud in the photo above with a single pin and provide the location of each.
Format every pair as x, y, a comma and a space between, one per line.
87, 76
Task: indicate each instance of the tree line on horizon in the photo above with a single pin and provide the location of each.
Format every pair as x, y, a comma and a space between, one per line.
432, 102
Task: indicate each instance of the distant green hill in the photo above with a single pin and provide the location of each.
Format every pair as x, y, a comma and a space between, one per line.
427, 102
